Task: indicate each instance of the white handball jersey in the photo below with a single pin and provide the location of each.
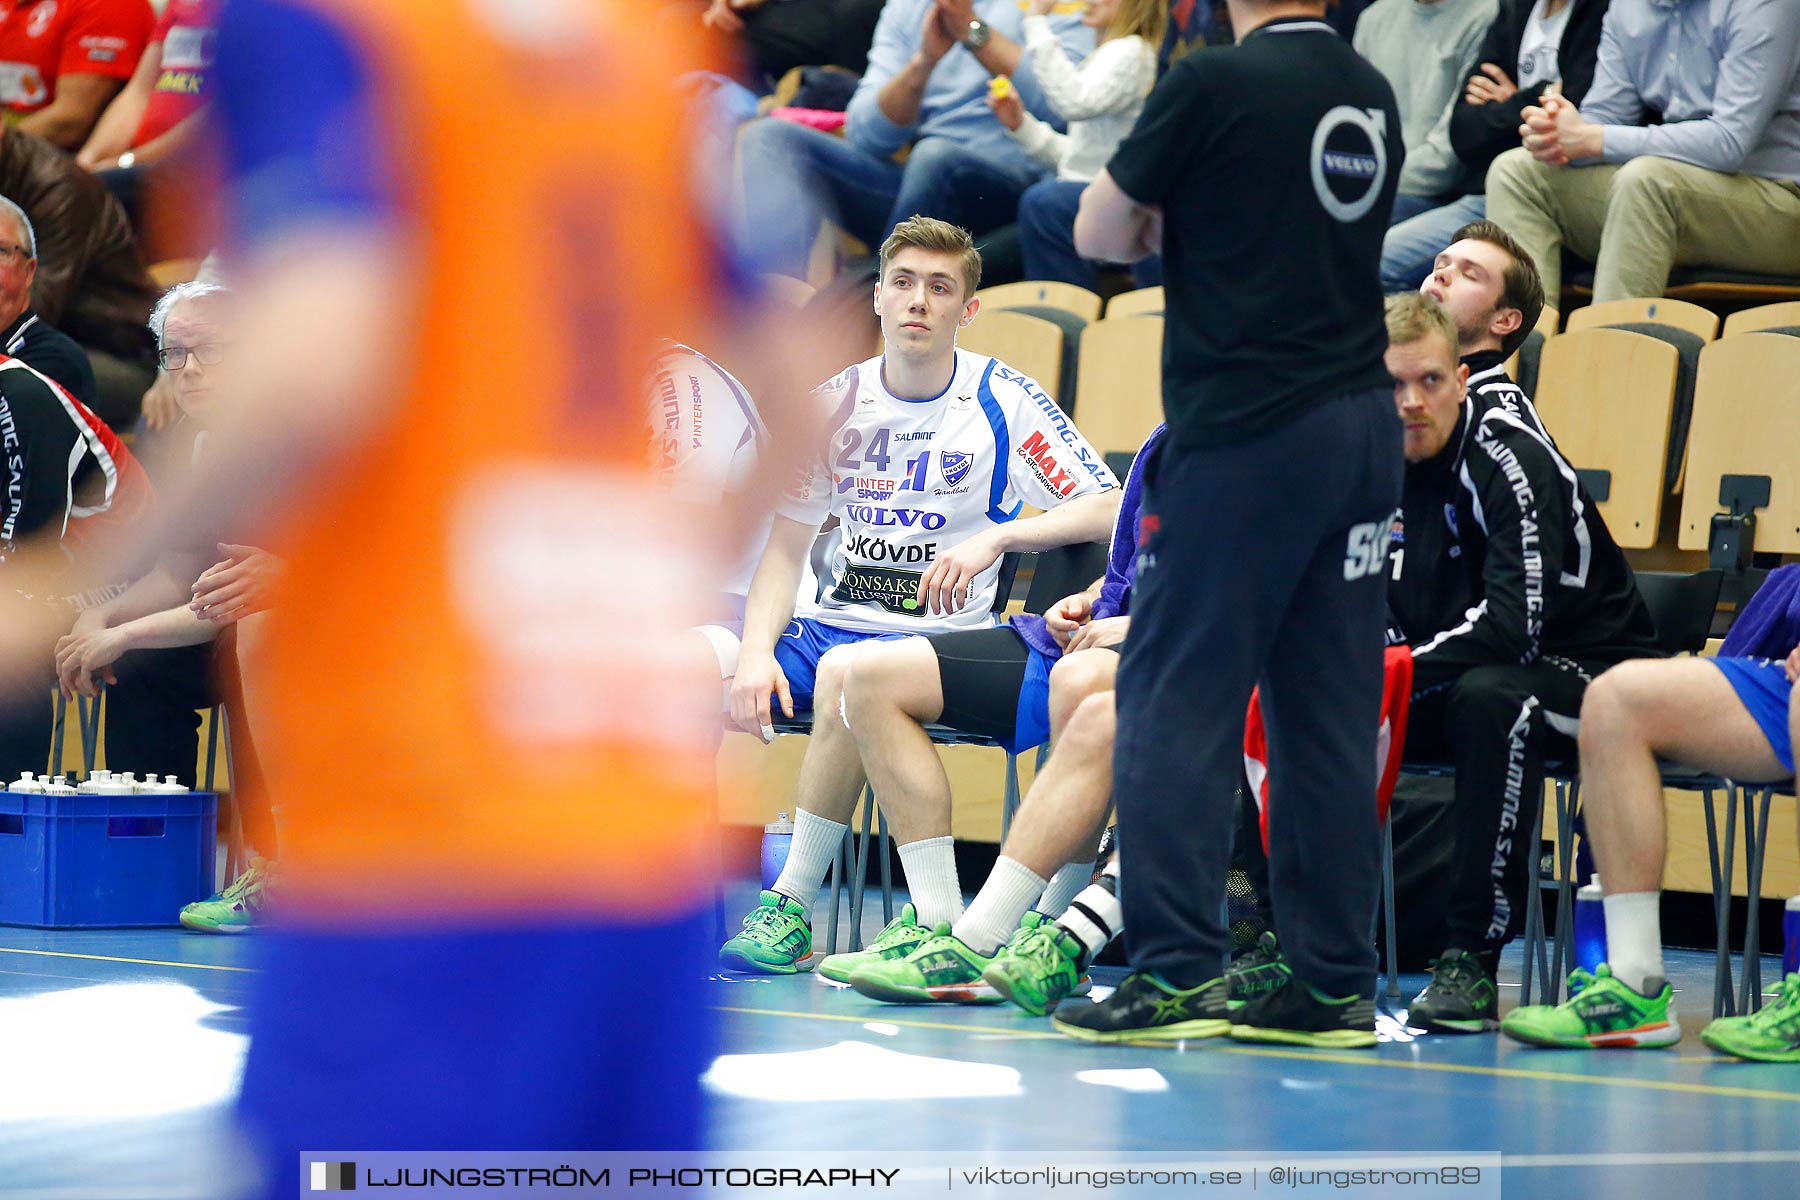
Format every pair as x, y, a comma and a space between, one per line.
706, 435
909, 479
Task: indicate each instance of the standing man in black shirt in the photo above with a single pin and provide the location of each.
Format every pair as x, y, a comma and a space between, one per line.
1267, 173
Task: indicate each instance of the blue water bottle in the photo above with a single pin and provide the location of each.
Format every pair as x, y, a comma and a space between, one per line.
1790, 938
778, 839
1590, 926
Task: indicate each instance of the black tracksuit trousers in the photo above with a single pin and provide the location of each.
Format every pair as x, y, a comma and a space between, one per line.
1262, 561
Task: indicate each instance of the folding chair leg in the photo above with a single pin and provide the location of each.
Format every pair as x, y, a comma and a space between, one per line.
1387, 905
1725, 865
1534, 920
887, 870
90, 732
1753, 894
56, 733
837, 881
861, 874
1563, 960
1009, 801
212, 752
1721, 910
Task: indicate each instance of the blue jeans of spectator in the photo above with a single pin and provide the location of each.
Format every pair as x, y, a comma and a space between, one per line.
792, 176
1047, 236
1413, 245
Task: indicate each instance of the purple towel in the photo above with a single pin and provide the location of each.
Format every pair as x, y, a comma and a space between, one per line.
1769, 626
1121, 558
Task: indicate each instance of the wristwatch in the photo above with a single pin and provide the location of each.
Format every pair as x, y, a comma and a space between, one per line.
127, 160
979, 32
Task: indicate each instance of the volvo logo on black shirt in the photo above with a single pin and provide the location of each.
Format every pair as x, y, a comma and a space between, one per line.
1349, 161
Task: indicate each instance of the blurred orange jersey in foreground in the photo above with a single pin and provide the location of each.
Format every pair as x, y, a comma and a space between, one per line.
474, 707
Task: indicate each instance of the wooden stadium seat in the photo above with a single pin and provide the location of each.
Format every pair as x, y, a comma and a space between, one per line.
1606, 396
1121, 382
1769, 316
1746, 422
1078, 300
1029, 344
1145, 302
1701, 322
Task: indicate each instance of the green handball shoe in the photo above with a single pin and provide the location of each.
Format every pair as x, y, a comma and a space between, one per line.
1601, 1012
901, 937
776, 939
940, 970
1039, 967
1771, 1034
241, 907
1256, 972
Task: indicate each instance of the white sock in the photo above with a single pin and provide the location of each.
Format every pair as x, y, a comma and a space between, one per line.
1634, 937
814, 848
930, 866
997, 907
1065, 885
1094, 917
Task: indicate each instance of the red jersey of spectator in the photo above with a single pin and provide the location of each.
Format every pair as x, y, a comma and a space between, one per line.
43, 40
187, 31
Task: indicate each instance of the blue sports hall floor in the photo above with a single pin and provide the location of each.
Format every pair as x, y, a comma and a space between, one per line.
120, 1053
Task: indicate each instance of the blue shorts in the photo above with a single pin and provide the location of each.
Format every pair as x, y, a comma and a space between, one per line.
799, 649
1762, 684
1033, 728
526, 1036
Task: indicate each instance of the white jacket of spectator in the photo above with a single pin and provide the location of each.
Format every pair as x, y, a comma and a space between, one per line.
1100, 99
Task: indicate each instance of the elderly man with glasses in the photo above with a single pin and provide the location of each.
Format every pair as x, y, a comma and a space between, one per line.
170, 644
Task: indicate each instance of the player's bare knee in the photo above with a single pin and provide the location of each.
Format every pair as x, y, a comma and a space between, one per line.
834, 670
1611, 707
1091, 726
1077, 676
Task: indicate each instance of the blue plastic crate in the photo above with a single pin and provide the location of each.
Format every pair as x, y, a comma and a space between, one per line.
68, 862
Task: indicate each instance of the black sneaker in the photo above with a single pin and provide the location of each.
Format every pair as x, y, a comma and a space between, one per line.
1461, 997
1145, 1009
1301, 1015
1256, 971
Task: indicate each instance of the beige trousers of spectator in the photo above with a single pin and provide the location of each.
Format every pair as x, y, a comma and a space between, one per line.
1637, 221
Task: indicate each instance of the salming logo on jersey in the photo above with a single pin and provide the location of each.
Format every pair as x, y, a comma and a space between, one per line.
910, 479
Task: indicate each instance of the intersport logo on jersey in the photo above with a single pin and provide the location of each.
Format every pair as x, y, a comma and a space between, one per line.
907, 518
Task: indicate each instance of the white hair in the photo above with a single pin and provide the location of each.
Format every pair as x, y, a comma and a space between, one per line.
29, 234
193, 290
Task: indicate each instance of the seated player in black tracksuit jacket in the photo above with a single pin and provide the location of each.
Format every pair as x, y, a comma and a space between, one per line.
1513, 596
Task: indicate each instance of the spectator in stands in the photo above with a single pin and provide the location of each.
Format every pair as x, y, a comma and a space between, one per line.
89, 281
1018, 683
65, 481
1100, 100
779, 35
924, 91
1686, 150
159, 643
156, 123
1492, 290
161, 406
1735, 714
932, 454
27, 336
1512, 595
1533, 45
62, 62
1426, 48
